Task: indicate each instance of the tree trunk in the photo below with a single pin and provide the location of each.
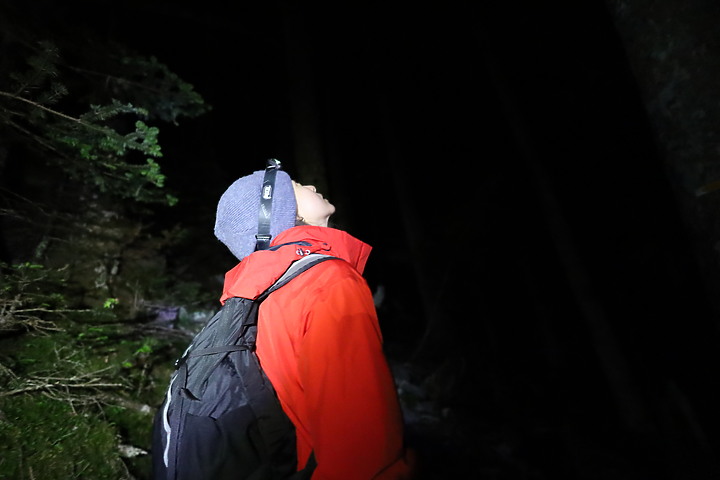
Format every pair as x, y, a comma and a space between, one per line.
613, 363
309, 159
673, 51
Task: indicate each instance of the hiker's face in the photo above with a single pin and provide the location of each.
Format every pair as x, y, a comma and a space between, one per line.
312, 206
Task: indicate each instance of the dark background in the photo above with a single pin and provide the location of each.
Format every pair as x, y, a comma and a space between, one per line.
537, 275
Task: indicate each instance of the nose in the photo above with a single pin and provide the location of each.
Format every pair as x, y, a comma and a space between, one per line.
311, 187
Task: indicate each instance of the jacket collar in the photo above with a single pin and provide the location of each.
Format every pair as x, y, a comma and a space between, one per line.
259, 270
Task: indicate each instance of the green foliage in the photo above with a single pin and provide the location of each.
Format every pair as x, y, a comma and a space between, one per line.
82, 367
179, 97
106, 146
110, 303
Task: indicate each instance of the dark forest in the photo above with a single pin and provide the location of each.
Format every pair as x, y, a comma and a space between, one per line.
540, 183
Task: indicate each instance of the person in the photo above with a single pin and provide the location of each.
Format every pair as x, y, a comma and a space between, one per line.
318, 339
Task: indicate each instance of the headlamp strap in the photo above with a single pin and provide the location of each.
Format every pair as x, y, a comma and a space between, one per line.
266, 197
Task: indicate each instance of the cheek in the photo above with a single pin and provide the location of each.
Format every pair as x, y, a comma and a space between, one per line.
313, 208
305, 205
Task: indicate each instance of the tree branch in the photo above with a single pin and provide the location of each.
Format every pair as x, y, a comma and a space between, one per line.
42, 107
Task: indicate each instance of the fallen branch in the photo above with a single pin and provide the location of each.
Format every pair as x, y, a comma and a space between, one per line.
58, 385
50, 384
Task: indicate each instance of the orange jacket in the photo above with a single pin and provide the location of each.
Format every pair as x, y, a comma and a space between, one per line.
320, 344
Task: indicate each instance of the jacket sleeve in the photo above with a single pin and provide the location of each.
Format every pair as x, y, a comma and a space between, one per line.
354, 417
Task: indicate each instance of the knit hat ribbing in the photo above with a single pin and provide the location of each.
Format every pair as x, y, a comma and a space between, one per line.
236, 220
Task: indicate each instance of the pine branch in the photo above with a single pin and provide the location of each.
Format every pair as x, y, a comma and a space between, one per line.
51, 111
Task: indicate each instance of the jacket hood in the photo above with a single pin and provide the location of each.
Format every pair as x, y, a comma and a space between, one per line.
256, 272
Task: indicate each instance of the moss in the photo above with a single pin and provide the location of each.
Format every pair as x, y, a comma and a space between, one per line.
47, 438
43, 437
134, 426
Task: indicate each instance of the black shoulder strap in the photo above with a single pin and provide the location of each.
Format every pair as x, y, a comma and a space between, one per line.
266, 199
295, 269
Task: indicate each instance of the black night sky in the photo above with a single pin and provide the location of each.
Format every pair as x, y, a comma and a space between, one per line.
498, 158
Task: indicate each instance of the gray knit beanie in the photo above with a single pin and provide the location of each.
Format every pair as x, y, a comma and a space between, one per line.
236, 221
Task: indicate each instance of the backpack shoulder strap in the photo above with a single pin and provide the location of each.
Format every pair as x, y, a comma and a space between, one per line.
295, 269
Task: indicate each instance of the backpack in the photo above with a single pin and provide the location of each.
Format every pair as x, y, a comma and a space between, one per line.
221, 418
